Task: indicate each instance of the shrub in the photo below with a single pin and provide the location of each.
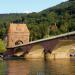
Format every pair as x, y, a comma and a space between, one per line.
2, 46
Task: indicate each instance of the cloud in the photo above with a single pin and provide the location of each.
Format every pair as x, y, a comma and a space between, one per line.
27, 11
64, 0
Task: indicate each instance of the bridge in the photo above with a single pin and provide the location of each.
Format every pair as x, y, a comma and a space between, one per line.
48, 47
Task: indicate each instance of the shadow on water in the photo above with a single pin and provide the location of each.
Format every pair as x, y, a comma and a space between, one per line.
38, 67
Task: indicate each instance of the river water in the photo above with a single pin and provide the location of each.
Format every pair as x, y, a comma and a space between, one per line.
38, 67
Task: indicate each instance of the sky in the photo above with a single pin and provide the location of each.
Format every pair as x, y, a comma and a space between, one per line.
26, 6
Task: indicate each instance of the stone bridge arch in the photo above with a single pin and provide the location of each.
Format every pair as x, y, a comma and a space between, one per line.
18, 51
37, 51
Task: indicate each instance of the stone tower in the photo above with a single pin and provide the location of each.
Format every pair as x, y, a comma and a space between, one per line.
18, 34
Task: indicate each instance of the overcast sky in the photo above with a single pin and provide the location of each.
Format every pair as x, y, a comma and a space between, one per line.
26, 6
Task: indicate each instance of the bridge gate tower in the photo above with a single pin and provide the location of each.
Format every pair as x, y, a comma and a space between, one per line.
18, 34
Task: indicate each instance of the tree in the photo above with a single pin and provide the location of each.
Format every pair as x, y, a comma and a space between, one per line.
64, 22
71, 0
2, 46
52, 17
44, 30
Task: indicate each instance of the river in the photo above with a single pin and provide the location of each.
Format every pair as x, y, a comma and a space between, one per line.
38, 67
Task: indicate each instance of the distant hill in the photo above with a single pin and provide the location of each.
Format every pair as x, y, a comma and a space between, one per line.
52, 21
68, 6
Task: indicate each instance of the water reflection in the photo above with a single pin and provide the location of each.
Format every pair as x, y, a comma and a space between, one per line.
18, 67
41, 67
3, 67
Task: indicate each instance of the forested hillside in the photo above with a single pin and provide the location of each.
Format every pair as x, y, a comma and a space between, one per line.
52, 21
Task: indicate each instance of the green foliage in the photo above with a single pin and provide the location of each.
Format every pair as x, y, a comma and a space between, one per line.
52, 16
2, 46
